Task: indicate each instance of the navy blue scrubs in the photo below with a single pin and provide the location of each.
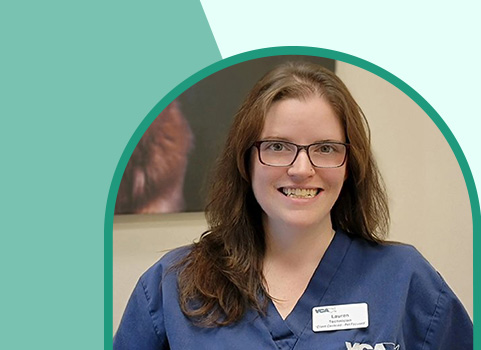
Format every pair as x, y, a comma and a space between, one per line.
410, 307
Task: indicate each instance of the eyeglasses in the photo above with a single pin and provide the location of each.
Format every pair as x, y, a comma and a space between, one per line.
283, 153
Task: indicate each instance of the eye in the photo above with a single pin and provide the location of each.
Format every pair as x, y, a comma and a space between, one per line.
276, 146
325, 148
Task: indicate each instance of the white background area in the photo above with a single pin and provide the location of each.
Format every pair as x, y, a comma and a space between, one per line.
432, 46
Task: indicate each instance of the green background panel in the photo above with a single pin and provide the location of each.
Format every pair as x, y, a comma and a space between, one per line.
77, 78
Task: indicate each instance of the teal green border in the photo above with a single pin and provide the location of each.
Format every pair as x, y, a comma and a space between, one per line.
275, 51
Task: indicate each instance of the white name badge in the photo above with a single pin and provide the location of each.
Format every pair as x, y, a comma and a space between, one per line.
338, 317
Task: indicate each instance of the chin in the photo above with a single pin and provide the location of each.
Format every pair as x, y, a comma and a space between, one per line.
295, 220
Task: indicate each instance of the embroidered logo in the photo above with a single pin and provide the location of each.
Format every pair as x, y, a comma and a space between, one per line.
378, 346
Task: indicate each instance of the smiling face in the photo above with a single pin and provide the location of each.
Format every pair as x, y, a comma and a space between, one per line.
300, 195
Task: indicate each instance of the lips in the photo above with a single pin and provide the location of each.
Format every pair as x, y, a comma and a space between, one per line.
304, 193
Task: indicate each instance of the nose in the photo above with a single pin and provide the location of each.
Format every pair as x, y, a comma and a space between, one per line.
302, 166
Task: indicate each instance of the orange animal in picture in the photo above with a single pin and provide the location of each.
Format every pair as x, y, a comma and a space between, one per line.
154, 176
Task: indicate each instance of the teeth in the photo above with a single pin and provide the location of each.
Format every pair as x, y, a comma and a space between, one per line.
299, 192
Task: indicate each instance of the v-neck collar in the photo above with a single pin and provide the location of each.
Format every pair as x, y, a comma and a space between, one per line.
286, 332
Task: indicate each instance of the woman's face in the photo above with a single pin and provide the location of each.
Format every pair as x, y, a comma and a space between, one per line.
277, 189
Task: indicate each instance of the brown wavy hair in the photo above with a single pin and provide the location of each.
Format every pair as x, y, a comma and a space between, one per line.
221, 277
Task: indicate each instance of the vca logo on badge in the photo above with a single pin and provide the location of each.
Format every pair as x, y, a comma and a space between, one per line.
378, 346
325, 309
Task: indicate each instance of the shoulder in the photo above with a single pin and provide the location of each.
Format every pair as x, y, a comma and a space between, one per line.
162, 270
170, 258
396, 277
403, 271
142, 325
403, 255
398, 262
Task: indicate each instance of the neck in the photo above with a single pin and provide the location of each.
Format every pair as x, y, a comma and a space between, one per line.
297, 245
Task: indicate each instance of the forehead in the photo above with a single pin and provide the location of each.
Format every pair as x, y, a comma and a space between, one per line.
303, 120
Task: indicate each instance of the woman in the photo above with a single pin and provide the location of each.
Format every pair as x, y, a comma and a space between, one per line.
295, 257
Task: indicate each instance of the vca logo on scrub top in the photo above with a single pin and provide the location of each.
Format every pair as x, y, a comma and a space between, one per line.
378, 346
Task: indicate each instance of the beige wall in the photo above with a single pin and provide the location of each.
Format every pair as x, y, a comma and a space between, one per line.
139, 241
428, 196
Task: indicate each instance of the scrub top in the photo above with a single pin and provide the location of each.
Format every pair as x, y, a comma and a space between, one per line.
404, 302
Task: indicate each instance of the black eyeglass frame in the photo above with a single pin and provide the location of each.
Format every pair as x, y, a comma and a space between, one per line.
257, 145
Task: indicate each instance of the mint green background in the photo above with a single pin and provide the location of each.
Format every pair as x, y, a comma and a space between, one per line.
77, 78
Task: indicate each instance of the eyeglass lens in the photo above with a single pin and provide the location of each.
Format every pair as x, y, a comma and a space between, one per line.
323, 155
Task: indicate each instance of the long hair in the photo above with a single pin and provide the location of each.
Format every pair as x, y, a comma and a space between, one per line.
222, 276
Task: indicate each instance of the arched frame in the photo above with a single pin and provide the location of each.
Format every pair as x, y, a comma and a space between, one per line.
275, 51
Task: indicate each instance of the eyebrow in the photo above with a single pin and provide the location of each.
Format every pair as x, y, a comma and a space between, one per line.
279, 138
